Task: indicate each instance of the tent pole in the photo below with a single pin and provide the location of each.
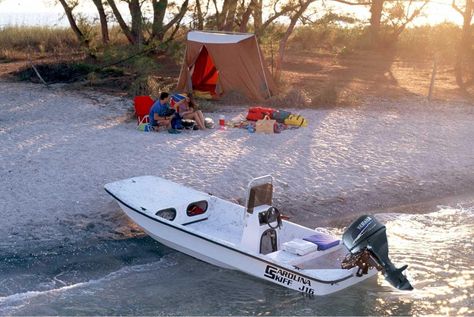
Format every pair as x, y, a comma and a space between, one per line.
183, 65
261, 64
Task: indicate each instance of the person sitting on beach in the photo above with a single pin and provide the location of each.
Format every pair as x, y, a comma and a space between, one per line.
188, 110
161, 112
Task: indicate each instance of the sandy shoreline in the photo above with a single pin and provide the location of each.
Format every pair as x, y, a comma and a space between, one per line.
58, 148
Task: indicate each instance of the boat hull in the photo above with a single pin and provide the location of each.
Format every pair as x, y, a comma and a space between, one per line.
230, 256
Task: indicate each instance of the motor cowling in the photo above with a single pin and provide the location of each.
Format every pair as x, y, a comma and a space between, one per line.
366, 240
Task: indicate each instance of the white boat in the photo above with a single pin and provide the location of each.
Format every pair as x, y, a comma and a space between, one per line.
253, 238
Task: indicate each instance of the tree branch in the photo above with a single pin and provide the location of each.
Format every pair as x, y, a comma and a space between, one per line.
178, 17
455, 7
354, 3
411, 18
121, 21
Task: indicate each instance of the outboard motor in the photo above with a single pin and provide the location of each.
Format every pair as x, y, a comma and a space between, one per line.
367, 241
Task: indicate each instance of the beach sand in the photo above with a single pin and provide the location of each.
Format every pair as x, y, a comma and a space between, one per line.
58, 148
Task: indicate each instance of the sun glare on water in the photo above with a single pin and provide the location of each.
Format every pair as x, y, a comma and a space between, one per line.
438, 249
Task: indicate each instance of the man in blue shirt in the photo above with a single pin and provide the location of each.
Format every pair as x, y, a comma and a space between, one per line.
161, 112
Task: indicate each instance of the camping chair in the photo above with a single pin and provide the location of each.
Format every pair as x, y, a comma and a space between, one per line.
142, 108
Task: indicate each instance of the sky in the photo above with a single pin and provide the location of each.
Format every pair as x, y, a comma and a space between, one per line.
47, 12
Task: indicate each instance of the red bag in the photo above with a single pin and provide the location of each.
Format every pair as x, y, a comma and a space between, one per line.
258, 113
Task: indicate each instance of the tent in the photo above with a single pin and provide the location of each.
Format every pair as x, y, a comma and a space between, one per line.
217, 63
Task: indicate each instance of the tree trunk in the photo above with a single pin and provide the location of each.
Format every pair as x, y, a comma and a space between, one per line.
136, 13
284, 40
159, 29
221, 16
103, 21
200, 16
121, 22
376, 9
72, 22
257, 16
177, 18
462, 55
159, 11
246, 18
230, 17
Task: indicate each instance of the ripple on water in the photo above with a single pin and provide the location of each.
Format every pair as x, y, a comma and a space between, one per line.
437, 247
438, 250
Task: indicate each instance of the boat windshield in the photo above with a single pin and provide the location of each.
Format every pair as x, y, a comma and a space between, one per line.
259, 195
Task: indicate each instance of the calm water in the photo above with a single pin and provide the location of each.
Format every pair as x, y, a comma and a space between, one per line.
141, 277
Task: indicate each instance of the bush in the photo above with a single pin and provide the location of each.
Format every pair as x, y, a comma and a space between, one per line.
330, 37
427, 41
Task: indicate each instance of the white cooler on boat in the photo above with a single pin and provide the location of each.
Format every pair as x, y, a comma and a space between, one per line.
299, 247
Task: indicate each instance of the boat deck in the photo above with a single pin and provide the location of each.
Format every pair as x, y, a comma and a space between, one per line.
224, 222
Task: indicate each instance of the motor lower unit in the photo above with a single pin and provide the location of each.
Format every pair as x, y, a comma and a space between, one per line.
366, 240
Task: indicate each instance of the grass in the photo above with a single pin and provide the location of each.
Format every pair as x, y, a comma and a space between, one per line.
17, 42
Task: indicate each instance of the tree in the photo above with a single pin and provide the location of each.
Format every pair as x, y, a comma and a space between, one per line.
123, 25
303, 6
103, 21
401, 13
135, 32
464, 62
397, 13
224, 16
278, 9
200, 15
69, 6
159, 28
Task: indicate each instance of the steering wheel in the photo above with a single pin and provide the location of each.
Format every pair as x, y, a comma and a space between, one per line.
273, 213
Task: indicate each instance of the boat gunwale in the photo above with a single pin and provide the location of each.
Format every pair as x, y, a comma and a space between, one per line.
332, 282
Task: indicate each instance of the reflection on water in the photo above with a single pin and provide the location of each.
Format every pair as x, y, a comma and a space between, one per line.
439, 250
436, 246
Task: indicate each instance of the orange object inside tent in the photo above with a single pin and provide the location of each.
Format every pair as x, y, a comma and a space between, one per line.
205, 74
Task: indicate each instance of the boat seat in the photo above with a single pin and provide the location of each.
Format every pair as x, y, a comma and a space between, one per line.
285, 257
322, 240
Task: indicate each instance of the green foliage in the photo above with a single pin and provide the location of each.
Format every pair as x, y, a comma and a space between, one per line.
89, 30
144, 65
176, 50
112, 71
129, 57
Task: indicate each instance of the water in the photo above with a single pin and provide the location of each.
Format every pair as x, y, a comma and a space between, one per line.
139, 276
50, 19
